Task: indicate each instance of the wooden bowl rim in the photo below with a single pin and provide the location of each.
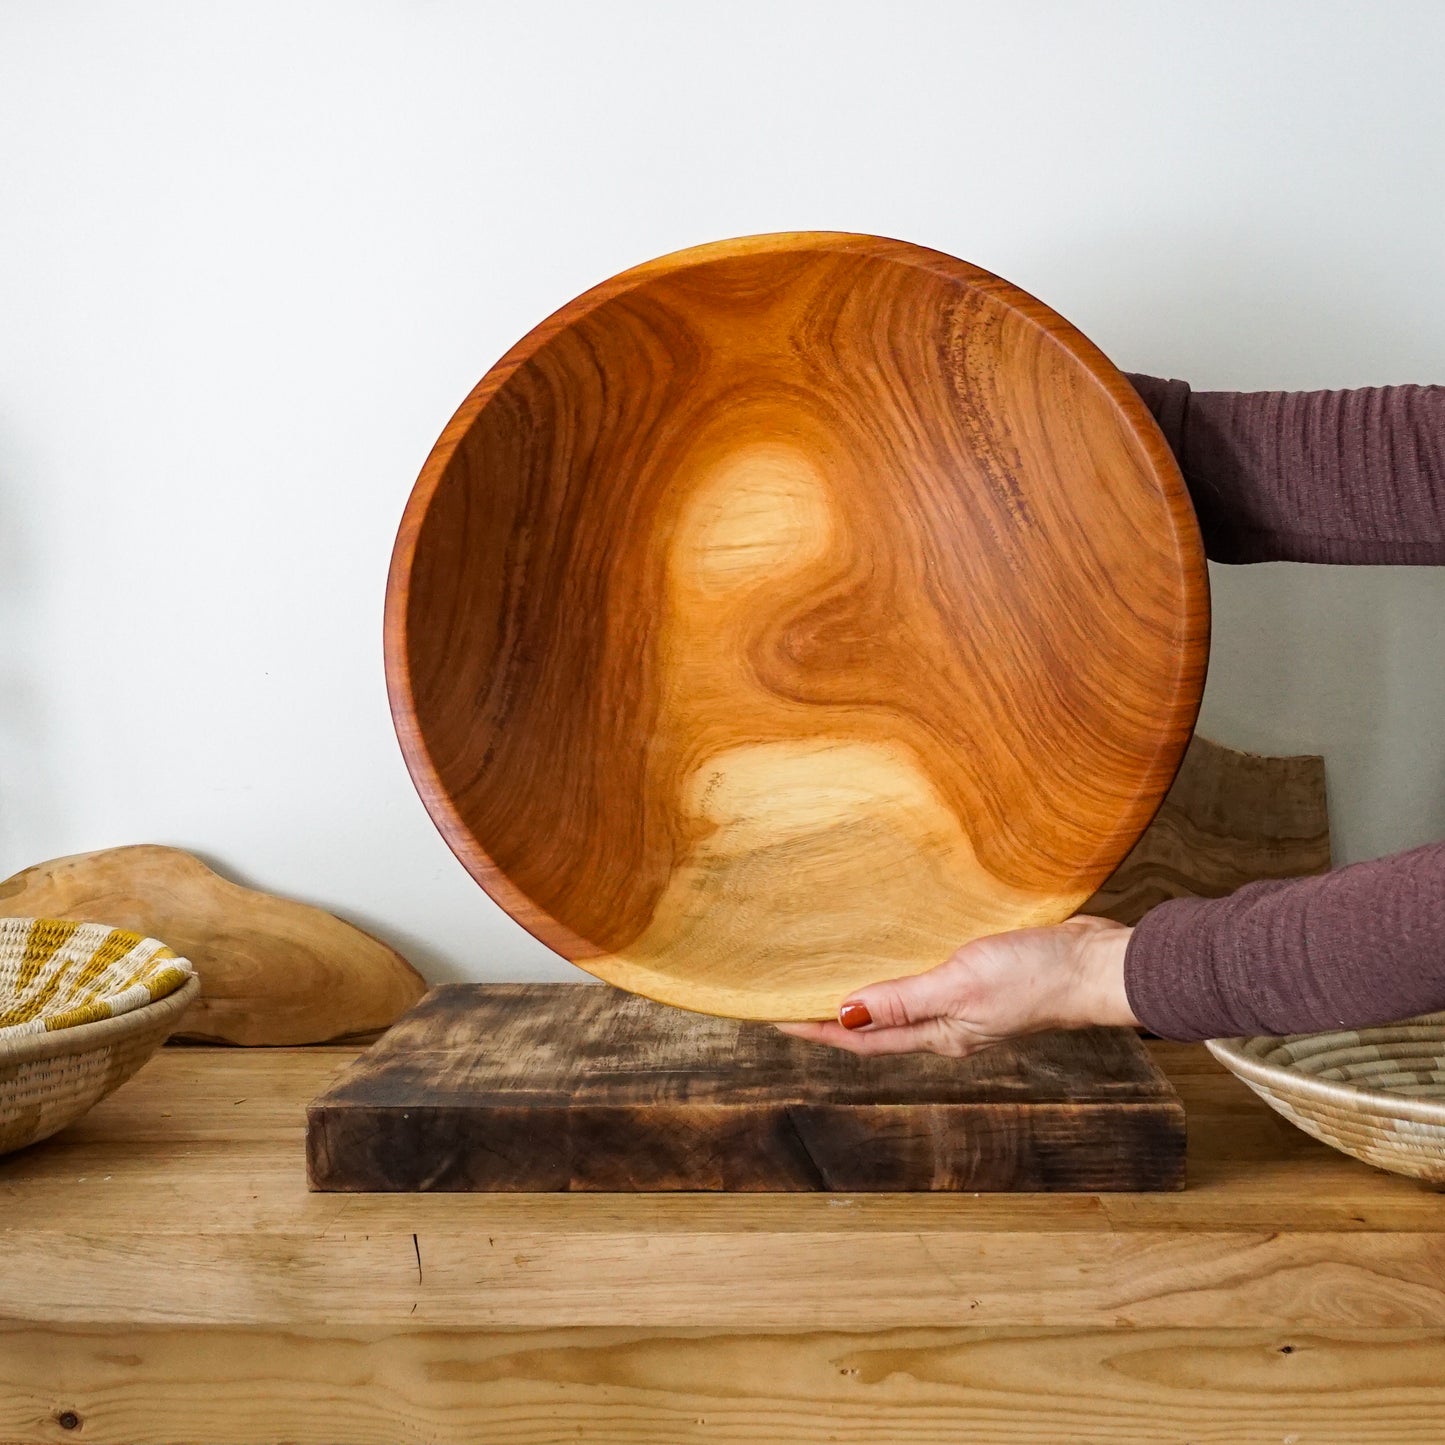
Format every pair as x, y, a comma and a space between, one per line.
1138, 420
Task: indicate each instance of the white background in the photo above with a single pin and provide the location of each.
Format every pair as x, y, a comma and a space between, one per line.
252, 256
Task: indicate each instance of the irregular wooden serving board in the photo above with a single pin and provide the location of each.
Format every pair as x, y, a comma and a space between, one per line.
543, 1087
272, 970
784, 613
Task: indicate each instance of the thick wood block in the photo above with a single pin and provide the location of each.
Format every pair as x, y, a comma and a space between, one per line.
547, 1087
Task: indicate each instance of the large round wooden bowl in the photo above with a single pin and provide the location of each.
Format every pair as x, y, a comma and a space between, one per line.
784, 613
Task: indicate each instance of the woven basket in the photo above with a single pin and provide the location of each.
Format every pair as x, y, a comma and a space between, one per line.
53, 971
1377, 1093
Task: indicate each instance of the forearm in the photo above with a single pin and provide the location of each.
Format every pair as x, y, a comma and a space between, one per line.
1310, 476
1361, 945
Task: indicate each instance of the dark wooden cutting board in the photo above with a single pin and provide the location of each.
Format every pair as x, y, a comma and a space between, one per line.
546, 1087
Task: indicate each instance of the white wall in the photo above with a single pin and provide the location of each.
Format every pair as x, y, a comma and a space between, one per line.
251, 256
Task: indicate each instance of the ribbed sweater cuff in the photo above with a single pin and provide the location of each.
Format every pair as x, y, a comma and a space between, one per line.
1169, 988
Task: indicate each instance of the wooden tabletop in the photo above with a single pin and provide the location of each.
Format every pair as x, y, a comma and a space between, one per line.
165, 1274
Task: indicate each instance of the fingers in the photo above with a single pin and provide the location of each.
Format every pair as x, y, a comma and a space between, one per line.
899, 1002
928, 1036
807, 1030
907, 1015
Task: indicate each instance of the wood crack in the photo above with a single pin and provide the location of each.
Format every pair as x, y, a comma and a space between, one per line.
817, 1179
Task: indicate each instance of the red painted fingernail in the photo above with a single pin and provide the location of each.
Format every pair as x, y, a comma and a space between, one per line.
854, 1015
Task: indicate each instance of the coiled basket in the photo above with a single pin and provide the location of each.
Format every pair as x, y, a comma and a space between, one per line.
1376, 1093
82, 1007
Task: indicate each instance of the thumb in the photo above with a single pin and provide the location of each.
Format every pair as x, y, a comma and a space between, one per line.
896, 1002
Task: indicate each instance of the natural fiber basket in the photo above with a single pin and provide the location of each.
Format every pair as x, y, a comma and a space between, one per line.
82, 1007
1376, 1093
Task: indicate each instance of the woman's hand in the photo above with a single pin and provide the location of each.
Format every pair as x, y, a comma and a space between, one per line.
996, 988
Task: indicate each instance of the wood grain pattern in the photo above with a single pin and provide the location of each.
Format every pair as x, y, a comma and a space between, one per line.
273, 971
575, 1087
1230, 818
182, 1199
471, 1091
125, 1386
784, 613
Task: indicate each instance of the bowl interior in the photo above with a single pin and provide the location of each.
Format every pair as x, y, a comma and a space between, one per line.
783, 614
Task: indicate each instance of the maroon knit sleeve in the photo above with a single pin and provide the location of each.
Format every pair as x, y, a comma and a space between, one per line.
1361, 945
1332, 476
1310, 476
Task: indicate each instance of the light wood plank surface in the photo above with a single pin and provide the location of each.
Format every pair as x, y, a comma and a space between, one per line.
637, 1387
165, 1275
183, 1199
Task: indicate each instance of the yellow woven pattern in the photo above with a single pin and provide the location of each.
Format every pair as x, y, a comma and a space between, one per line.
55, 973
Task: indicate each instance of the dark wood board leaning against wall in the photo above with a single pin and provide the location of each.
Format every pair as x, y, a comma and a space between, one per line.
581, 1087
